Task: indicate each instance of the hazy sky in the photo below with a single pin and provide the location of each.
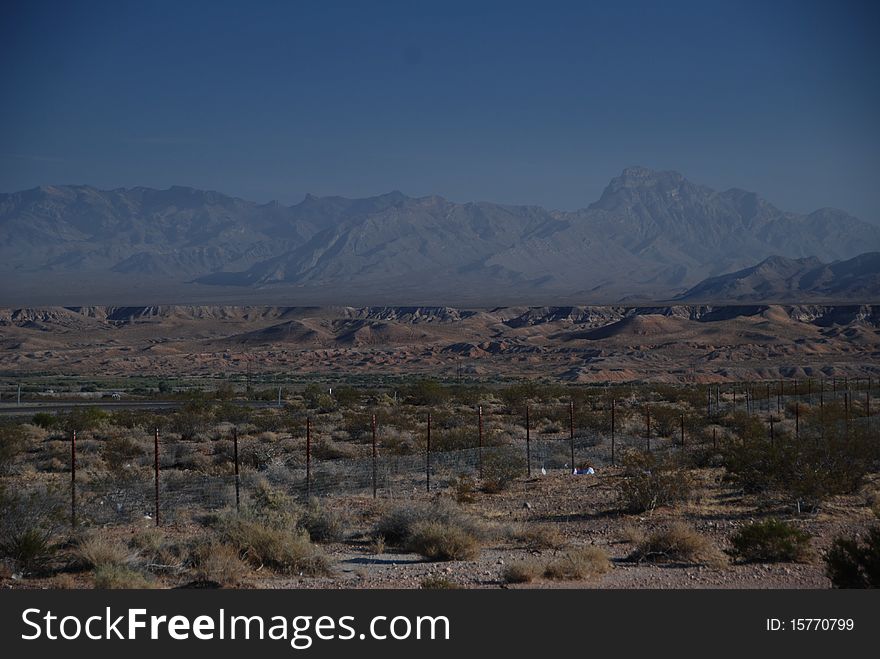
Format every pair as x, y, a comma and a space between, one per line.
539, 102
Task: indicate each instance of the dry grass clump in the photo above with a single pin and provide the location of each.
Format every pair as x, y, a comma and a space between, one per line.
99, 550
443, 541
438, 583
267, 533
540, 536
678, 543
115, 577
524, 571
217, 562
441, 531
578, 564
323, 524
631, 534
284, 550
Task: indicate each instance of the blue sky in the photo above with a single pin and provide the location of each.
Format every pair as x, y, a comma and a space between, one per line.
538, 103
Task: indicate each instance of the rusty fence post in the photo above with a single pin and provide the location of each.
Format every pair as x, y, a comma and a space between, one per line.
612, 431
375, 456
308, 457
428, 457
528, 444
571, 431
648, 426
73, 479
480, 441
156, 471
237, 474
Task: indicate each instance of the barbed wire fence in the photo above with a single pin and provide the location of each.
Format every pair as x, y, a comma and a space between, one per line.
154, 487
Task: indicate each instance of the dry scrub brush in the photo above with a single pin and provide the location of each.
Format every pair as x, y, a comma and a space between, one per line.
573, 565
441, 531
771, 540
679, 543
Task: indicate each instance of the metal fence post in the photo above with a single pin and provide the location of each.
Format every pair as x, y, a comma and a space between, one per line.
375, 455
309, 457
682, 430
648, 426
156, 471
237, 475
428, 457
480, 441
612, 431
73, 479
571, 431
528, 444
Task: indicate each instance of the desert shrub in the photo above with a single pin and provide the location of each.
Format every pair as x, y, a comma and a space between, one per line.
441, 531
327, 449
83, 418
191, 420
851, 563
438, 583
426, 392
540, 536
272, 506
501, 466
228, 412
377, 544
145, 419
45, 420
317, 398
347, 396
119, 451
649, 482
267, 533
578, 564
516, 396
323, 524
217, 562
97, 550
29, 525
809, 470
771, 540
524, 571
465, 488
443, 541
114, 577
631, 534
152, 544
284, 550
13, 442
256, 456
453, 438
678, 543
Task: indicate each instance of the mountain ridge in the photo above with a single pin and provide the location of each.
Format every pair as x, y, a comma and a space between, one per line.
651, 234
779, 279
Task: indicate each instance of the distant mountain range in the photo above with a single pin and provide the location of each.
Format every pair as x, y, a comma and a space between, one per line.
652, 235
778, 279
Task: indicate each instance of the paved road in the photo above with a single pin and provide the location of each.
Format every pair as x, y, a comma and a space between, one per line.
29, 408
